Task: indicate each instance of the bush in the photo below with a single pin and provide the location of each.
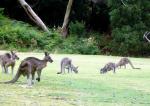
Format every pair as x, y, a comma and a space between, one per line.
79, 46
52, 42
78, 29
21, 36
125, 41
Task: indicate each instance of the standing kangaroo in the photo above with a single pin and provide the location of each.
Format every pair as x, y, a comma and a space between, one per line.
11, 62
123, 61
66, 63
3, 60
29, 66
108, 67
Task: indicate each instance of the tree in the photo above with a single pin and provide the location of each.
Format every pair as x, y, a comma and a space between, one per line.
33, 16
128, 24
64, 29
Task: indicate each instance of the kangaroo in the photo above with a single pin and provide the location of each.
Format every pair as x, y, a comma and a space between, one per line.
29, 66
3, 59
108, 67
11, 62
72, 68
123, 61
66, 63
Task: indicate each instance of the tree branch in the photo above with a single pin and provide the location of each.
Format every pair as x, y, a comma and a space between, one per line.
32, 15
145, 36
123, 3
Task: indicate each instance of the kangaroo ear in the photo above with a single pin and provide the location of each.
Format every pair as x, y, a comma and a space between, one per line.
46, 53
12, 52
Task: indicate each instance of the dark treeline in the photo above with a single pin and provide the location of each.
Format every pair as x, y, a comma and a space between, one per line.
115, 27
95, 15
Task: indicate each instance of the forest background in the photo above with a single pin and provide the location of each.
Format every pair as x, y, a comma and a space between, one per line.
108, 27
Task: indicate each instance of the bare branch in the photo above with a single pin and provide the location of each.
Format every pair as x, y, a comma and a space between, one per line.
33, 16
146, 36
123, 3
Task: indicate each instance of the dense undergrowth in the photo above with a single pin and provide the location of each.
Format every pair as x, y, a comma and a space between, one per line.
23, 37
20, 36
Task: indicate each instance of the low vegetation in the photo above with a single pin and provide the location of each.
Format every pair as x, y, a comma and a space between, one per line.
129, 87
20, 36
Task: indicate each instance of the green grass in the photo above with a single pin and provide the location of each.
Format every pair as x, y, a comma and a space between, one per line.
128, 87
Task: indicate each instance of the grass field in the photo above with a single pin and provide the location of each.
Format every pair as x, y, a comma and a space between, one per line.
128, 87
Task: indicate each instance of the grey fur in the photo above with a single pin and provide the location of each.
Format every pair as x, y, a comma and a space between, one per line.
29, 66
124, 61
66, 63
11, 62
3, 57
108, 67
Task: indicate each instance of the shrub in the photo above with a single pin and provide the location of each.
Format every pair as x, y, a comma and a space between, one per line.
77, 28
125, 41
21, 36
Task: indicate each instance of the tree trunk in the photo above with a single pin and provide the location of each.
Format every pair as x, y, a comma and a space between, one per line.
64, 29
33, 15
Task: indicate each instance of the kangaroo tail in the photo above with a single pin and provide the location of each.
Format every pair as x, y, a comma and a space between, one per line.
14, 79
132, 65
61, 66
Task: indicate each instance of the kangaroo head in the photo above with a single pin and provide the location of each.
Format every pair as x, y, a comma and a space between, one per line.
103, 70
75, 69
14, 56
47, 57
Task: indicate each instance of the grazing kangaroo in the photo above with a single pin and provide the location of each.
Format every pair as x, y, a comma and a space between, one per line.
108, 67
3, 60
11, 62
66, 63
29, 66
123, 61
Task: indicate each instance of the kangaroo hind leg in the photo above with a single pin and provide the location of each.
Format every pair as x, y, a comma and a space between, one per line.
29, 75
39, 75
33, 78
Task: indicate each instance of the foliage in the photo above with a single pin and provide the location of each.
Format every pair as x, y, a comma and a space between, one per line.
125, 41
17, 34
129, 23
21, 36
78, 29
79, 46
111, 29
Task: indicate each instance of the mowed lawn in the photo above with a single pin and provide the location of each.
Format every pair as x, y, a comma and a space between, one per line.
128, 87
